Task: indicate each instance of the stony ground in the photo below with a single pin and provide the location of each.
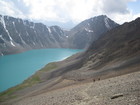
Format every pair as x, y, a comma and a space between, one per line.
121, 90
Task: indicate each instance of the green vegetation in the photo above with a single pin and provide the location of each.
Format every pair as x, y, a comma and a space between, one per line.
49, 66
8, 94
34, 79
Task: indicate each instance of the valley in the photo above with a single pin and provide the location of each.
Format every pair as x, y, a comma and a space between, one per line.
107, 73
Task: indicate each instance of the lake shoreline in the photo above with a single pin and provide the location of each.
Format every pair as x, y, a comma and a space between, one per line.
8, 59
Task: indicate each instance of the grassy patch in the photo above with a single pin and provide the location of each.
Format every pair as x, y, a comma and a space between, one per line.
49, 66
8, 94
32, 80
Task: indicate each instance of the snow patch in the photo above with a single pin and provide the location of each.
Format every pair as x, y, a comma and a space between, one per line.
42, 45
2, 54
35, 32
33, 26
106, 23
18, 20
27, 33
49, 29
13, 23
62, 33
12, 43
15, 27
21, 39
5, 40
33, 43
88, 30
24, 22
54, 29
0, 36
3, 22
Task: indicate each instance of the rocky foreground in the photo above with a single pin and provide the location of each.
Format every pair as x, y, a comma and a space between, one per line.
121, 90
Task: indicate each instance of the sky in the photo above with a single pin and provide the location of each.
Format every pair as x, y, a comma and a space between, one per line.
68, 13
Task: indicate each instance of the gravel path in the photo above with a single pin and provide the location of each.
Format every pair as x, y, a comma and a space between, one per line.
121, 90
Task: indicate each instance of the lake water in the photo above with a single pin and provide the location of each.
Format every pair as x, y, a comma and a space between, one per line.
18, 67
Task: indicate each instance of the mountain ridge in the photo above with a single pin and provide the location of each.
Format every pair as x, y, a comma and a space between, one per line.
23, 35
17, 35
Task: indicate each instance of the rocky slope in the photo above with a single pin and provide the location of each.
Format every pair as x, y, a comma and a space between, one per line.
121, 90
17, 35
89, 30
83, 78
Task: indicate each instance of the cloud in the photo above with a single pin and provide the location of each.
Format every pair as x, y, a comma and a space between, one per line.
78, 10
62, 10
68, 10
115, 6
8, 8
41, 9
118, 10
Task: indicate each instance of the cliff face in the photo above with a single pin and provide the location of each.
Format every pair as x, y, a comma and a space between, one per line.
18, 35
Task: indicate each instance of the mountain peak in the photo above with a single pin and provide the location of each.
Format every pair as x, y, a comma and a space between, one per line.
89, 30
100, 17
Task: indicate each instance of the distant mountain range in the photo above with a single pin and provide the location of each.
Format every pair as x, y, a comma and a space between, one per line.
17, 35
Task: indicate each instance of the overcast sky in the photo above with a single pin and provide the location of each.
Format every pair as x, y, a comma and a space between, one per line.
71, 11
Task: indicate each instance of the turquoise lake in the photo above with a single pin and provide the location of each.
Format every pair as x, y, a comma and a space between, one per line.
14, 69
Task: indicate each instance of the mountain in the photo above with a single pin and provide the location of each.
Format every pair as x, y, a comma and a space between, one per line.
114, 53
89, 77
89, 30
18, 35
120, 44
